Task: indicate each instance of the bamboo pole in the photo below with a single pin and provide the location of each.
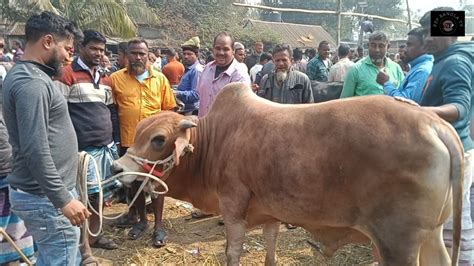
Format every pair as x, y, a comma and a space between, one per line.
409, 16
9, 240
338, 40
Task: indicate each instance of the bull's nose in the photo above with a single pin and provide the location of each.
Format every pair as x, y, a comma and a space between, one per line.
116, 168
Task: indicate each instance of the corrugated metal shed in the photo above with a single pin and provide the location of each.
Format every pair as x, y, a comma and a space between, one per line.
296, 35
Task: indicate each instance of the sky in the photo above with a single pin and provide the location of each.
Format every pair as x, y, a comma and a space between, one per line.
421, 6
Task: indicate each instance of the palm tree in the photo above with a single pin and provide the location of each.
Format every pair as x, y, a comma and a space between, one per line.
112, 17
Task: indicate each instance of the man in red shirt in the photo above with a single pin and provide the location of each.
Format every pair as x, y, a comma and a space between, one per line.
174, 70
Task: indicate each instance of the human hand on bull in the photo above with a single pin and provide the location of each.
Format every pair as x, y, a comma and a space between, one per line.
76, 212
382, 77
255, 87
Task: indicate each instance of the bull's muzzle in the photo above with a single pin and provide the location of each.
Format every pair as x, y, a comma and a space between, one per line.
117, 168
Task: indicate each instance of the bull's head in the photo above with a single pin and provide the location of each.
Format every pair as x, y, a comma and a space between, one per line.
162, 137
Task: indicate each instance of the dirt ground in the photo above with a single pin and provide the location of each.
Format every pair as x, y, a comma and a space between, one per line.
203, 242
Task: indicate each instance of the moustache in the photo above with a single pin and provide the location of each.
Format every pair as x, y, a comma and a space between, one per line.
137, 64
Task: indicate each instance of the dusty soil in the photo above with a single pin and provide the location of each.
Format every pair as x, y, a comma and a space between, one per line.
203, 242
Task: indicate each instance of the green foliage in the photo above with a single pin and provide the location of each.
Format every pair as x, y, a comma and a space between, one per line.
112, 17
106, 16
206, 18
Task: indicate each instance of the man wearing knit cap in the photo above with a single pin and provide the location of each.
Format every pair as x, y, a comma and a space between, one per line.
187, 88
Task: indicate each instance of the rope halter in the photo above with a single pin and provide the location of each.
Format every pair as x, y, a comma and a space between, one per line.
168, 163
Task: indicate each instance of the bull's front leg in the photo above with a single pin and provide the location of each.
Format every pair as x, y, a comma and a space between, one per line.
270, 233
234, 212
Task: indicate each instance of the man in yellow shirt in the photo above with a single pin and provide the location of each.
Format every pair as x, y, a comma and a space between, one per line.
139, 92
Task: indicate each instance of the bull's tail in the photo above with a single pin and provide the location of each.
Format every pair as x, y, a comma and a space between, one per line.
456, 152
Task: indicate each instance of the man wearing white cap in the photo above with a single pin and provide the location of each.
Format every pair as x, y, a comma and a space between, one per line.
239, 53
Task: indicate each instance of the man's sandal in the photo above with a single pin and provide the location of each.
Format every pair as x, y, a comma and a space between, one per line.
137, 230
159, 237
104, 243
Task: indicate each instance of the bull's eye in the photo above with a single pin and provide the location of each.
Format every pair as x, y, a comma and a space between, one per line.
158, 141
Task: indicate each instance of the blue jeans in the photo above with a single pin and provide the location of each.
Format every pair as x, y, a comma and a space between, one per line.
56, 238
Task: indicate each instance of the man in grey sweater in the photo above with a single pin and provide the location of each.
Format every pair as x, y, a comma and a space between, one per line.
44, 142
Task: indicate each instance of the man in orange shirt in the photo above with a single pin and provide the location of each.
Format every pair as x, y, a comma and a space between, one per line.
139, 92
174, 70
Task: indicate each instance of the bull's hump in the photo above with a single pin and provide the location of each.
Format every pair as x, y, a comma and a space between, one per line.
235, 90
233, 94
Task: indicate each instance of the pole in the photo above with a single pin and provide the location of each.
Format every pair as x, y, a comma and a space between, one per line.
409, 16
361, 33
338, 40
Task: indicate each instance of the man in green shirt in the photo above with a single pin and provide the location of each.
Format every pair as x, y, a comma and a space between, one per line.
361, 78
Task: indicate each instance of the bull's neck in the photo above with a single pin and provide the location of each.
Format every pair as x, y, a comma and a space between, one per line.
190, 180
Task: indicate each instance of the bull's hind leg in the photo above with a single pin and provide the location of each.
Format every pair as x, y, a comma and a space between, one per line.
433, 252
270, 233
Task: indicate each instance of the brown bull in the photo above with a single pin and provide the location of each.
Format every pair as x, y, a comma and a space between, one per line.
369, 165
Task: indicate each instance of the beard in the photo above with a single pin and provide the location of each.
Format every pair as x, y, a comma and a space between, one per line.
377, 58
137, 67
55, 63
281, 76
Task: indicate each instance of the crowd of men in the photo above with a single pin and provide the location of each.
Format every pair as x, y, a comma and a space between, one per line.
58, 101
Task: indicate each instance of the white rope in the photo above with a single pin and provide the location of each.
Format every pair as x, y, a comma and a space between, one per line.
168, 164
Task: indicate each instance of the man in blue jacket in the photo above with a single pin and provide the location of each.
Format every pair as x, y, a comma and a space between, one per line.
187, 88
421, 64
449, 94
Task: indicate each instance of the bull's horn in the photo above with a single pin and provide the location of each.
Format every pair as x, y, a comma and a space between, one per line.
185, 124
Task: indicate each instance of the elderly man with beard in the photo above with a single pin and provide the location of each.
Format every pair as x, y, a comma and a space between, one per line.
139, 92
361, 78
285, 85
44, 142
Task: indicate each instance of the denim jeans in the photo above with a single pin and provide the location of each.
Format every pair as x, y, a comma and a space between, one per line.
56, 238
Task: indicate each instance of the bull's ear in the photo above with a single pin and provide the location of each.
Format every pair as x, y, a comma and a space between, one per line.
185, 124
181, 143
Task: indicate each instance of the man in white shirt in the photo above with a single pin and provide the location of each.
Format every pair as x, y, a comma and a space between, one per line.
3, 73
264, 58
339, 70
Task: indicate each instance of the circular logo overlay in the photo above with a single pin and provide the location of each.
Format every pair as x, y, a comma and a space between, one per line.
447, 25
